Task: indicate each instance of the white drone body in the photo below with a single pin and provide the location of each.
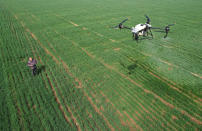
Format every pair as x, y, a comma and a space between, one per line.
140, 29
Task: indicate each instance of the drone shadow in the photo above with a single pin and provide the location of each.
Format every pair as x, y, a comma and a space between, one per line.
131, 68
40, 69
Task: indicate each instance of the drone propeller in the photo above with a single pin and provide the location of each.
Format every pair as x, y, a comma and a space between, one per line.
127, 27
148, 19
120, 25
124, 21
167, 29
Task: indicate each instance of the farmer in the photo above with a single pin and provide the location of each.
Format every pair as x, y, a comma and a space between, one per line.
32, 64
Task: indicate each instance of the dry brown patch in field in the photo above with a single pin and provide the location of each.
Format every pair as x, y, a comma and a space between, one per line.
173, 87
146, 54
166, 62
98, 34
53, 90
138, 114
158, 97
136, 117
143, 108
84, 28
61, 108
55, 59
112, 68
170, 68
112, 40
89, 54
34, 106
99, 112
133, 122
73, 118
174, 117
117, 111
89, 114
117, 49
58, 101
101, 108
172, 106
73, 23
197, 75
16, 17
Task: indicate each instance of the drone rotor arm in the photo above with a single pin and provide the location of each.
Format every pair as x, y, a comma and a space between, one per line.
148, 19
127, 27
124, 21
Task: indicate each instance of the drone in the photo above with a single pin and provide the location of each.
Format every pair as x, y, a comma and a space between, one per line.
143, 29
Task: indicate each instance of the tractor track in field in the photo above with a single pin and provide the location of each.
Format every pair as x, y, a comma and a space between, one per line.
166, 62
123, 101
133, 122
107, 101
175, 88
94, 106
101, 109
27, 103
91, 55
17, 108
65, 66
49, 81
132, 81
118, 112
57, 98
98, 34
163, 61
108, 66
151, 93
167, 81
67, 108
121, 116
75, 111
20, 111
99, 112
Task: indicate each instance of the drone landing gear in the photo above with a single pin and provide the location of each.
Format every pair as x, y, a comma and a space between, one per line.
166, 35
135, 37
151, 33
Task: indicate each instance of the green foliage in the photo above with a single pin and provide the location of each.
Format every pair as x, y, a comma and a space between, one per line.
93, 77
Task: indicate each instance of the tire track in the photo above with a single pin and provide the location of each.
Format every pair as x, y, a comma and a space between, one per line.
135, 83
65, 66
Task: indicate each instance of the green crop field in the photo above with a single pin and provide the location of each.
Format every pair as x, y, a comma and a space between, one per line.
94, 77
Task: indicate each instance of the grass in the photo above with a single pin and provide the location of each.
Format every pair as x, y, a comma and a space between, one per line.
93, 77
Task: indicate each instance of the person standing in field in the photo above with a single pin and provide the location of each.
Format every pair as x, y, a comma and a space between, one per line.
32, 64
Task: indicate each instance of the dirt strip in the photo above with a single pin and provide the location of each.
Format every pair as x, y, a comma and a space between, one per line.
99, 112
132, 81
147, 91
64, 64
